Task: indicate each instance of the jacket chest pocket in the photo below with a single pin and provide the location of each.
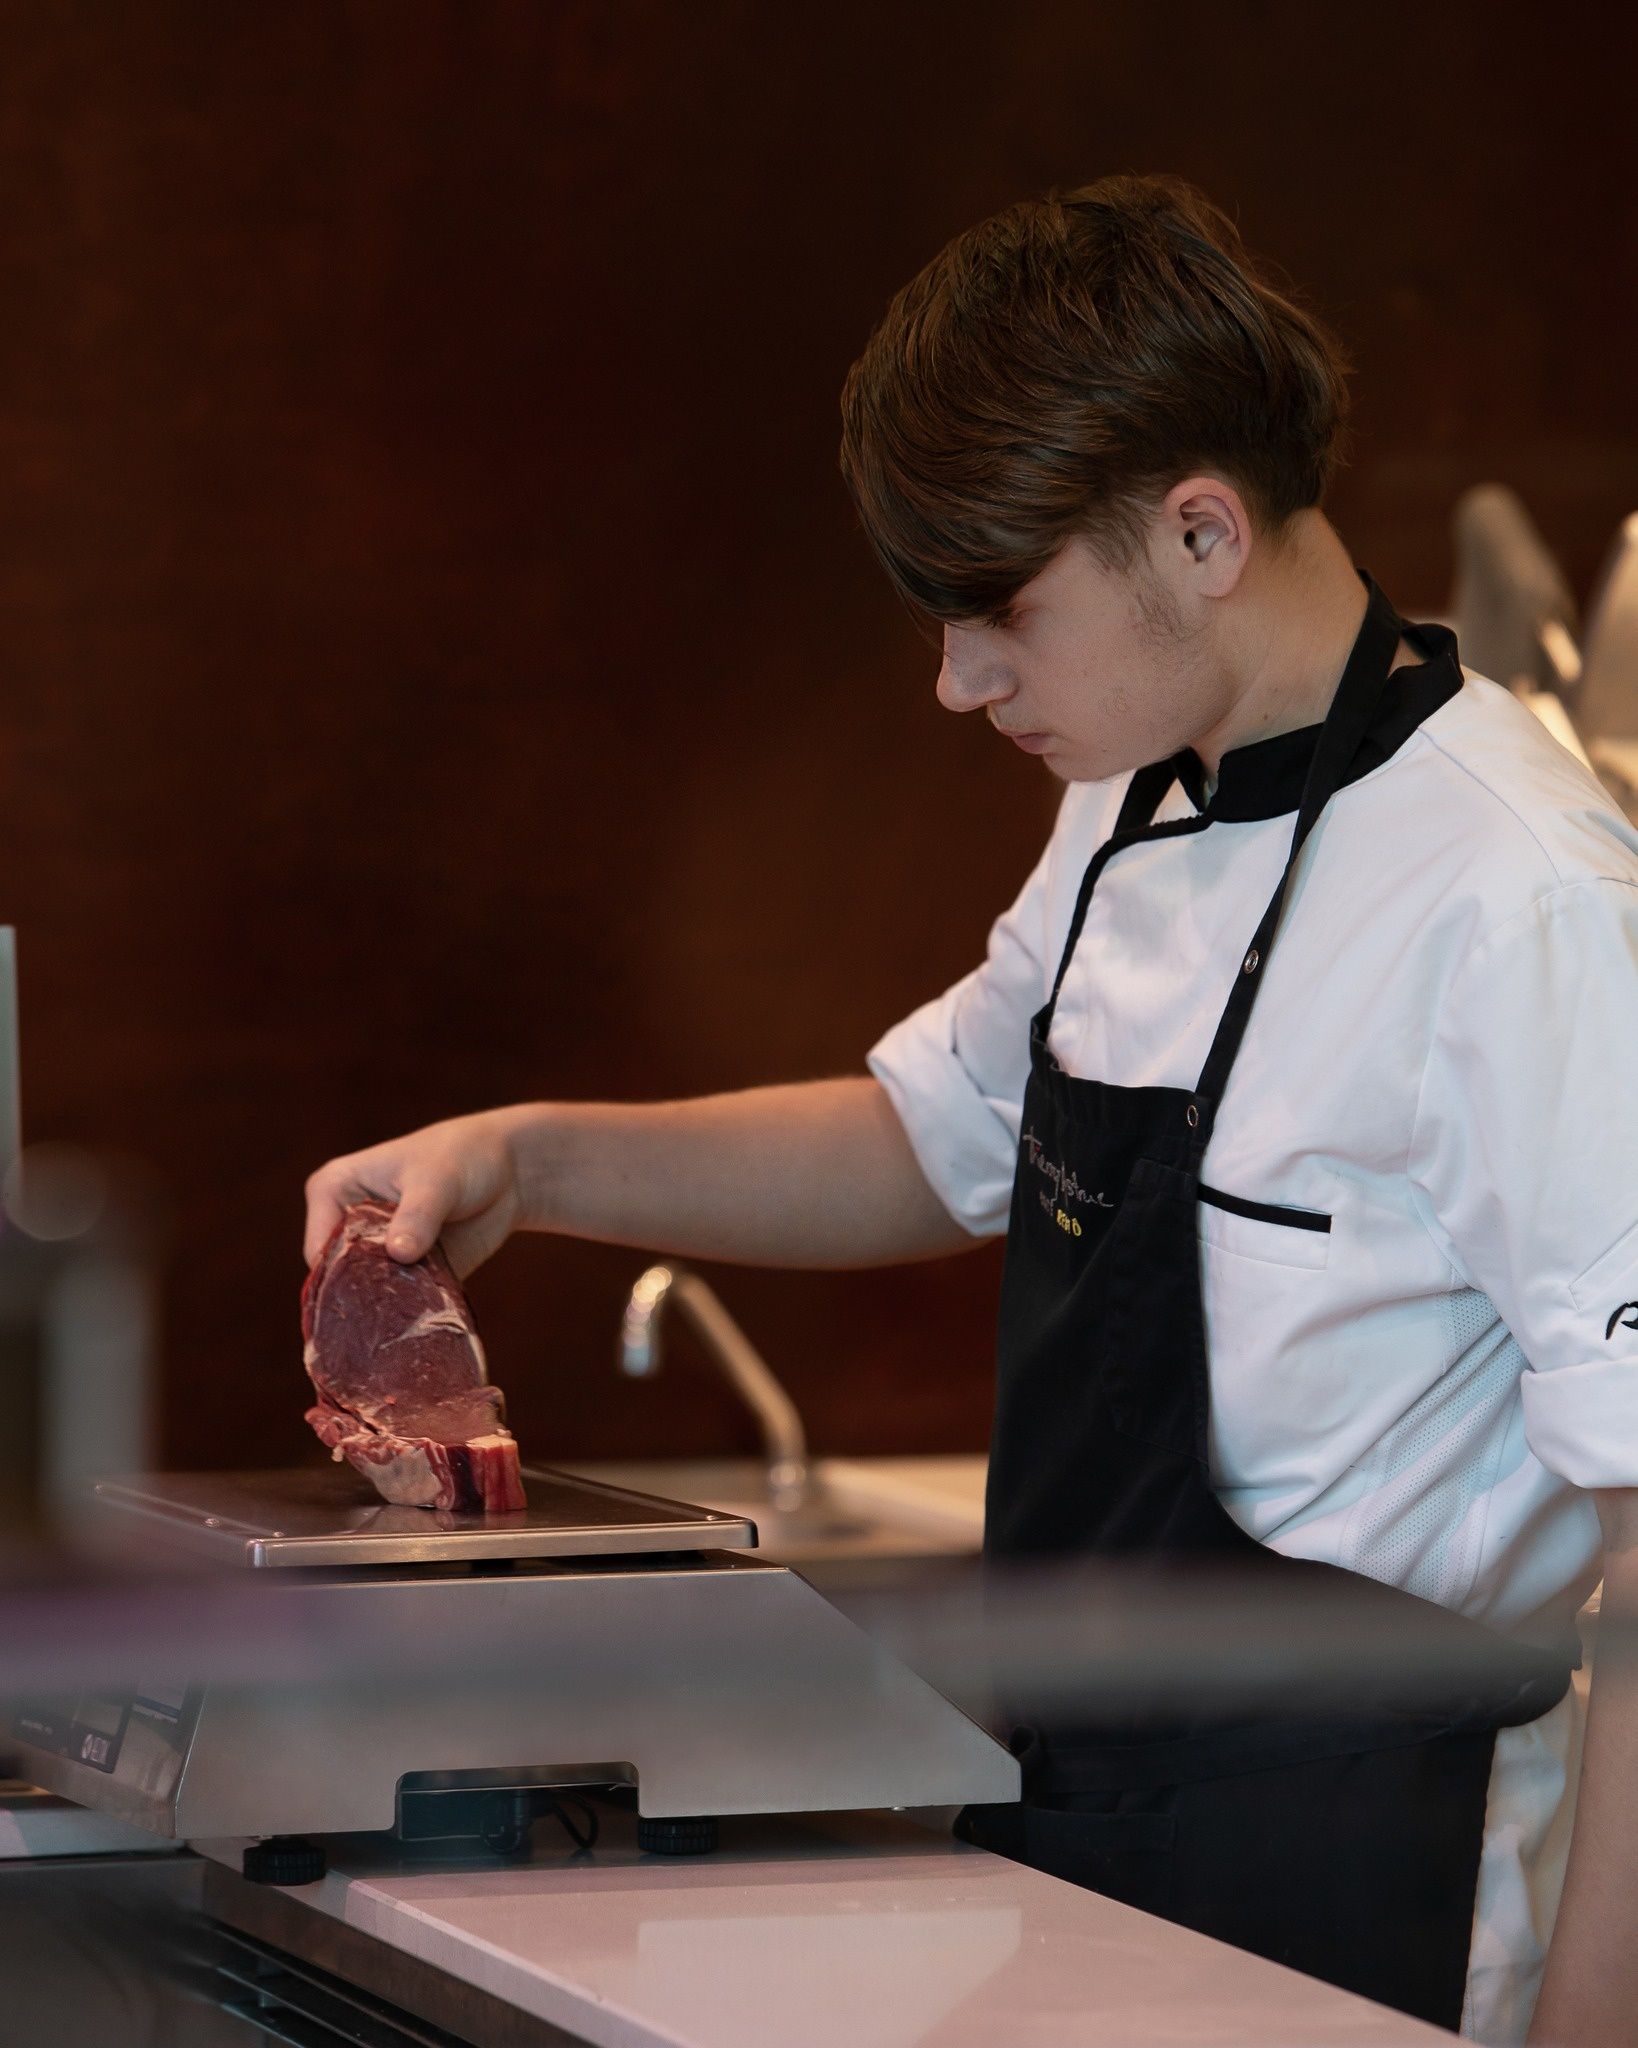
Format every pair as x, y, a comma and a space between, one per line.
1268, 1232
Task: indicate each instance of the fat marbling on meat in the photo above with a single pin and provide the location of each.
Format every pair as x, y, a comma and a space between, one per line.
403, 1388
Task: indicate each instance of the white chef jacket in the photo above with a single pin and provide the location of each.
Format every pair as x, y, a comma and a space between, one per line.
1422, 1306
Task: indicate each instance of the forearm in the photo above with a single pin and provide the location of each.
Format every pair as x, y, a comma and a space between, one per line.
1589, 1993
816, 1174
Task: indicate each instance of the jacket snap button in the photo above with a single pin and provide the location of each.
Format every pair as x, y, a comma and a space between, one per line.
1252, 959
1192, 1117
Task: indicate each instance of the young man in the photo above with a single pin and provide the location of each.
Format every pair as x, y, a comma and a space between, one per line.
1297, 1076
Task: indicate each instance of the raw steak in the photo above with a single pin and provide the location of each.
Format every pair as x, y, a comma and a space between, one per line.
402, 1386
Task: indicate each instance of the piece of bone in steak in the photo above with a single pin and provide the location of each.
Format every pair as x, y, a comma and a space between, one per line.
403, 1389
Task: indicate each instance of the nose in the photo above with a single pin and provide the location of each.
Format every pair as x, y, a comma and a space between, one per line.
969, 677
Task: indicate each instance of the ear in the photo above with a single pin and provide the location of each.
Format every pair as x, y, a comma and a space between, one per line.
1204, 536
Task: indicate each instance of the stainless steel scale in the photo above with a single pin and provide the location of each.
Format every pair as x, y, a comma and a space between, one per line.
653, 1651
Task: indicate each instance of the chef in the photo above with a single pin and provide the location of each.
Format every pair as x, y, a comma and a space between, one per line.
1300, 1077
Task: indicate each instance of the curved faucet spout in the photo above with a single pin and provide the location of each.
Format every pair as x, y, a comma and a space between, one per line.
733, 1351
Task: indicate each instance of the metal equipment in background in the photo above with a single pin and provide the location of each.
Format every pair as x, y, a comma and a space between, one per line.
11, 1094
726, 1343
1515, 617
704, 1680
1516, 621
78, 1295
1605, 702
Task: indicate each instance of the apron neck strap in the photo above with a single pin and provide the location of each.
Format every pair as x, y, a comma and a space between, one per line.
1142, 800
1353, 712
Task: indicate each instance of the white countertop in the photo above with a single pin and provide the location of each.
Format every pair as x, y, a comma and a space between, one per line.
35, 1824
827, 1931
858, 1508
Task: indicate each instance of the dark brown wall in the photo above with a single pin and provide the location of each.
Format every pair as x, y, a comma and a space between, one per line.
440, 666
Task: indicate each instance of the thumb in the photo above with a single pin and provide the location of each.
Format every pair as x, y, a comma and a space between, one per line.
426, 1201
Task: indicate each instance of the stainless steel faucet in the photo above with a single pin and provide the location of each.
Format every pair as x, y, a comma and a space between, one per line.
727, 1343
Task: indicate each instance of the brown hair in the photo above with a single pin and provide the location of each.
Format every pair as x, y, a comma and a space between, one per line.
1056, 369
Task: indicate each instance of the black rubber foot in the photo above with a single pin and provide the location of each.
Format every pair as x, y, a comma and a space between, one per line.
285, 1859
677, 1837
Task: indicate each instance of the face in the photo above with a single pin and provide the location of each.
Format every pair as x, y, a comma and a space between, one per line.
1097, 670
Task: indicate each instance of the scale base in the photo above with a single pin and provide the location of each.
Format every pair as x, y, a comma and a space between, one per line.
285, 1860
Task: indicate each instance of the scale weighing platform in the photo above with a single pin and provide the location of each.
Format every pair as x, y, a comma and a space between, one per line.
628, 1642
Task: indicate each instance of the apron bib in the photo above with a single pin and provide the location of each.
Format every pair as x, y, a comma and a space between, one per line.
1343, 1846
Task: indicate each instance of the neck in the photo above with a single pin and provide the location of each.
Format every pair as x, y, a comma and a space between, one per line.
1294, 619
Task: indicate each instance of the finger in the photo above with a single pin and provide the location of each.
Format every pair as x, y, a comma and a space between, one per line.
427, 1199
324, 1206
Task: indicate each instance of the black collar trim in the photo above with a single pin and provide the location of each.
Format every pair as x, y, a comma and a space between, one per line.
1265, 779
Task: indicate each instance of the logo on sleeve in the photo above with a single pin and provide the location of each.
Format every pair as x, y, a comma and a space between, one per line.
1627, 1322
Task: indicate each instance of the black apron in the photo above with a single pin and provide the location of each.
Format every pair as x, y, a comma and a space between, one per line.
1345, 1844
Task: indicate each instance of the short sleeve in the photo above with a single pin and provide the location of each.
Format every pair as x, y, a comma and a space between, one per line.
1525, 1147
955, 1069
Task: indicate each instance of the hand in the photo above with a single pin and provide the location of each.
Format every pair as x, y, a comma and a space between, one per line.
456, 1180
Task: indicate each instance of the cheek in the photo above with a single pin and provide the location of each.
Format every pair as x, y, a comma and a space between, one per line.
1112, 722
1148, 704
1101, 707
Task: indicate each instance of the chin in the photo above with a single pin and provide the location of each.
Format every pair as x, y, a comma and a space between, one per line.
1093, 765
1067, 767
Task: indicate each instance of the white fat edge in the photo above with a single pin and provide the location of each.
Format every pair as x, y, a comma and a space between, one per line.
406, 1478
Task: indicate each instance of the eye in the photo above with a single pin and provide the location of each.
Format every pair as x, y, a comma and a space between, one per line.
999, 622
